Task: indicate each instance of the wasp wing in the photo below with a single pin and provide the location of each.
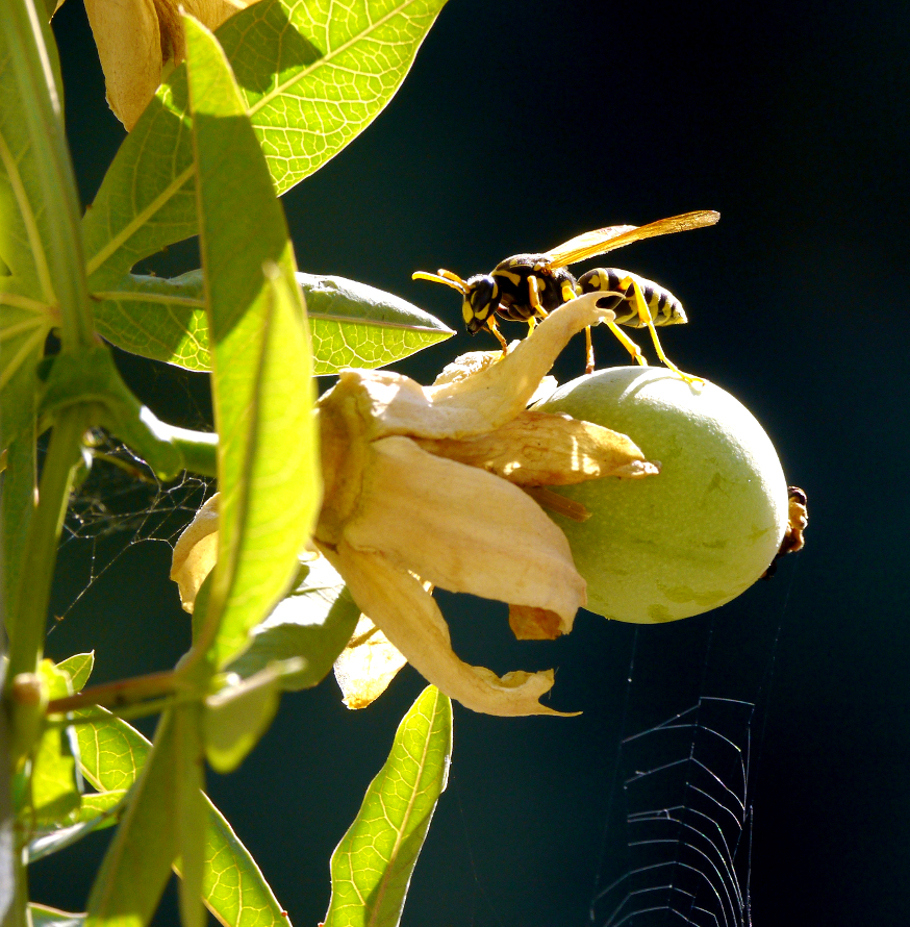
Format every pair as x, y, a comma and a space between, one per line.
600, 241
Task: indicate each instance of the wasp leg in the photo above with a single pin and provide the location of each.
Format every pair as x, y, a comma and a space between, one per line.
644, 313
534, 298
628, 344
494, 328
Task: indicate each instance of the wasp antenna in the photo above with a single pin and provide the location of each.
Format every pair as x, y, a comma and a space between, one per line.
445, 277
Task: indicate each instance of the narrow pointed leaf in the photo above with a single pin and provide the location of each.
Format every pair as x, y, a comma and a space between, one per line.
234, 890
312, 76
372, 866
352, 324
78, 667
355, 325
97, 811
138, 861
160, 318
314, 622
262, 385
43, 916
189, 783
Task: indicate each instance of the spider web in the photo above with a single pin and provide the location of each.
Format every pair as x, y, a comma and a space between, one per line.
120, 504
685, 791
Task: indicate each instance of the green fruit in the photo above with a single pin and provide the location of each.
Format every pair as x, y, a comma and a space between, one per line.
694, 536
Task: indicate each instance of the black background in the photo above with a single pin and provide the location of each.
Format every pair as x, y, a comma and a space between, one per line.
522, 124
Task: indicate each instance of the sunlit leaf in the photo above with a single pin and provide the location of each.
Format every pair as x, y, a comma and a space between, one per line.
112, 753
23, 218
189, 782
78, 667
351, 324
372, 866
97, 811
312, 76
138, 861
160, 318
237, 716
314, 622
43, 916
262, 385
355, 325
55, 787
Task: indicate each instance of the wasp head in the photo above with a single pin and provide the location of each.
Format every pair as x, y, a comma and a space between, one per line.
481, 298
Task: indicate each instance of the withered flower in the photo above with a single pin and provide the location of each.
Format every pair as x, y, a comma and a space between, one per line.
141, 41
430, 486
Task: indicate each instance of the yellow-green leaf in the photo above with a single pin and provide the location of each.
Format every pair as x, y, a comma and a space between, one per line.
372, 866
262, 385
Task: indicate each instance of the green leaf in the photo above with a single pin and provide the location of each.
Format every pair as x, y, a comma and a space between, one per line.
40, 230
314, 622
262, 385
312, 76
112, 753
78, 667
55, 786
23, 219
189, 781
89, 376
352, 324
97, 811
355, 325
43, 916
372, 866
138, 861
237, 716
163, 319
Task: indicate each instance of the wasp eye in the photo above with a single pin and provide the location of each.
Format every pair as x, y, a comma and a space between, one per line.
482, 293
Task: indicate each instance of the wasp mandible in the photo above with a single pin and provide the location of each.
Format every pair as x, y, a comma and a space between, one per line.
526, 287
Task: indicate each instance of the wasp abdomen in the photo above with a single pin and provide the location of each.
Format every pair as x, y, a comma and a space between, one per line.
665, 308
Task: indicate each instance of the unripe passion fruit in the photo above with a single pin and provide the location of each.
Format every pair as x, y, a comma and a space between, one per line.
694, 536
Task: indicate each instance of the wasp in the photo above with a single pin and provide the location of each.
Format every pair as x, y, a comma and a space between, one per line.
527, 287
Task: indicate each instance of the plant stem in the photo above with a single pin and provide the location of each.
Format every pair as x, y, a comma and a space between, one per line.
123, 692
26, 629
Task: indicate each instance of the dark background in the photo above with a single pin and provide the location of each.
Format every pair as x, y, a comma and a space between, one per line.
522, 124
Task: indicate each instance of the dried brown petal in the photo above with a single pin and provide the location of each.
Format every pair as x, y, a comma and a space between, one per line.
488, 398
411, 620
543, 449
367, 665
195, 553
534, 624
464, 530
140, 40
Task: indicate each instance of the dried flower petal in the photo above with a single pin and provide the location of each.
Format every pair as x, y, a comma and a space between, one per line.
543, 449
413, 623
488, 398
139, 41
195, 553
464, 530
367, 665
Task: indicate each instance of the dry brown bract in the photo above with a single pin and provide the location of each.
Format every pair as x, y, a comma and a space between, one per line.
141, 41
422, 488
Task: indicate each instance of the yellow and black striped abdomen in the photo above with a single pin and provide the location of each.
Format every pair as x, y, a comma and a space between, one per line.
665, 308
